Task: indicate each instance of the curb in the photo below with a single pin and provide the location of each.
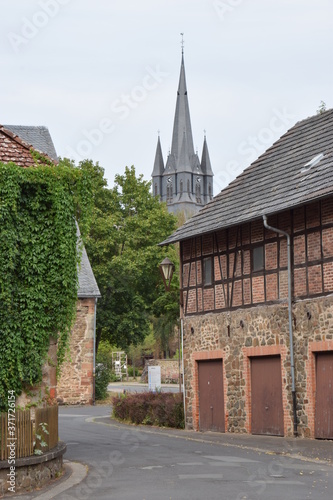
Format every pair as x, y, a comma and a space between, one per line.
75, 473
244, 442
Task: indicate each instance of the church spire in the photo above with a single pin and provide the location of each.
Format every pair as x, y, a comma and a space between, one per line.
158, 163
182, 121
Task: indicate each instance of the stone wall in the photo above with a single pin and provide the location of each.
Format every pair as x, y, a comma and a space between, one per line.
238, 335
75, 385
169, 370
32, 472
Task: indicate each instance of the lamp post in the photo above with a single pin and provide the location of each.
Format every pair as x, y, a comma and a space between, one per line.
167, 269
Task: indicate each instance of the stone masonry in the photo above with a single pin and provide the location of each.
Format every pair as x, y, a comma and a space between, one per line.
75, 385
263, 330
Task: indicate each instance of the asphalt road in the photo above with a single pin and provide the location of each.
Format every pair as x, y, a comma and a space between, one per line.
128, 462
138, 387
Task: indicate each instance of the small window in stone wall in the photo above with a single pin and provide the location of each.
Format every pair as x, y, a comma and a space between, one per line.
208, 271
258, 258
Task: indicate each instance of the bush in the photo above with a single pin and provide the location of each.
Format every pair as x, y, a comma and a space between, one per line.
102, 379
130, 371
163, 409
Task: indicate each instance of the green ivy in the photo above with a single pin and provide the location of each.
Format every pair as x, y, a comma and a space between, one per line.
38, 266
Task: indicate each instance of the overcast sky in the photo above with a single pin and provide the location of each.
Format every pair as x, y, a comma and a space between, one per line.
103, 75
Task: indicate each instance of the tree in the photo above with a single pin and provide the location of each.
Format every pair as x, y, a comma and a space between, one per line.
128, 223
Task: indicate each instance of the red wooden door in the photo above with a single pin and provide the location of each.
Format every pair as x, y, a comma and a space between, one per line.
324, 396
266, 396
211, 397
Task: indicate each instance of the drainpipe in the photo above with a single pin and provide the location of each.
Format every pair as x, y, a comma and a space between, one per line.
94, 353
183, 378
291, 341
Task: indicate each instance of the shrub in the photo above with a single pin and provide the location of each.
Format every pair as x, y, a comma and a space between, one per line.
130, 371
102, 379
162, 409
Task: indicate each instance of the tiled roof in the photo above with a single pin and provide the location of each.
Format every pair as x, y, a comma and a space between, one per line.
287, 175
38, 137
87, 283
13, 149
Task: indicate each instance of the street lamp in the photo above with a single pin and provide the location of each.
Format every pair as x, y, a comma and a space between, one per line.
167, 268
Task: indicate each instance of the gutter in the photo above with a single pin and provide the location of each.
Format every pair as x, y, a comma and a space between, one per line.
291, 340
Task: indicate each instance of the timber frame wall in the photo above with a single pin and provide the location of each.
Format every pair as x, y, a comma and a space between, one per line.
235, 284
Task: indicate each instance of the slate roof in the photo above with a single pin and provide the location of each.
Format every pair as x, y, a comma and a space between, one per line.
87, 283
14, 149
280, 179
37, 136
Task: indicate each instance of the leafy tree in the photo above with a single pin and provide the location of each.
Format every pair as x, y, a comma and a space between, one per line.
128, 223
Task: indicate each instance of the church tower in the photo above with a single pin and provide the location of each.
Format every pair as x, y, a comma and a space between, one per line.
184, 183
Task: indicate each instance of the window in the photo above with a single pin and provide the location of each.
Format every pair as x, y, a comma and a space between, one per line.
258, 258
181, 187
156, 193
208, 271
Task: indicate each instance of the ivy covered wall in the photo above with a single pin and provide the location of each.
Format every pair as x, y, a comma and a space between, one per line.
38, 266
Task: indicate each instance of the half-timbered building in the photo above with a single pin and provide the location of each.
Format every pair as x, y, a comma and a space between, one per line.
258, 326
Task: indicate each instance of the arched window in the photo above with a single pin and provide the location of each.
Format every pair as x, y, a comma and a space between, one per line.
210, 191
198, 190
156, 193
181, 187
188, 186
169, 190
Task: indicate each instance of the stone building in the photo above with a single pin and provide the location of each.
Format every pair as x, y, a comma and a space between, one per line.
258, 327
76, 383
184, 183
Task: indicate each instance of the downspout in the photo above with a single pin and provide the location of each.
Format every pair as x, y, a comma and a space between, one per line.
183, 378
291, 340
94, 353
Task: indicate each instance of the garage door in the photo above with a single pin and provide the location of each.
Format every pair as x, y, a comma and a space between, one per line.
211, 400
266, 396
324, 396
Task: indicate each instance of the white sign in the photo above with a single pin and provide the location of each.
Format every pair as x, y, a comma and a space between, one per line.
154, 378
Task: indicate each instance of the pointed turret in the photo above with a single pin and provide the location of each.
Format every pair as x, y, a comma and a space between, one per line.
207, 173
205, 160
158, 170
159, 162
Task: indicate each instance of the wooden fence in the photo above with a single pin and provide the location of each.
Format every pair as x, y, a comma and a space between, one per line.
26, 429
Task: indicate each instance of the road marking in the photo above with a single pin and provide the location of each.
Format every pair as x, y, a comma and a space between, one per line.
62, 415
150, 467
226, 458
219, 477
278, 482
224, 464
190, 463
